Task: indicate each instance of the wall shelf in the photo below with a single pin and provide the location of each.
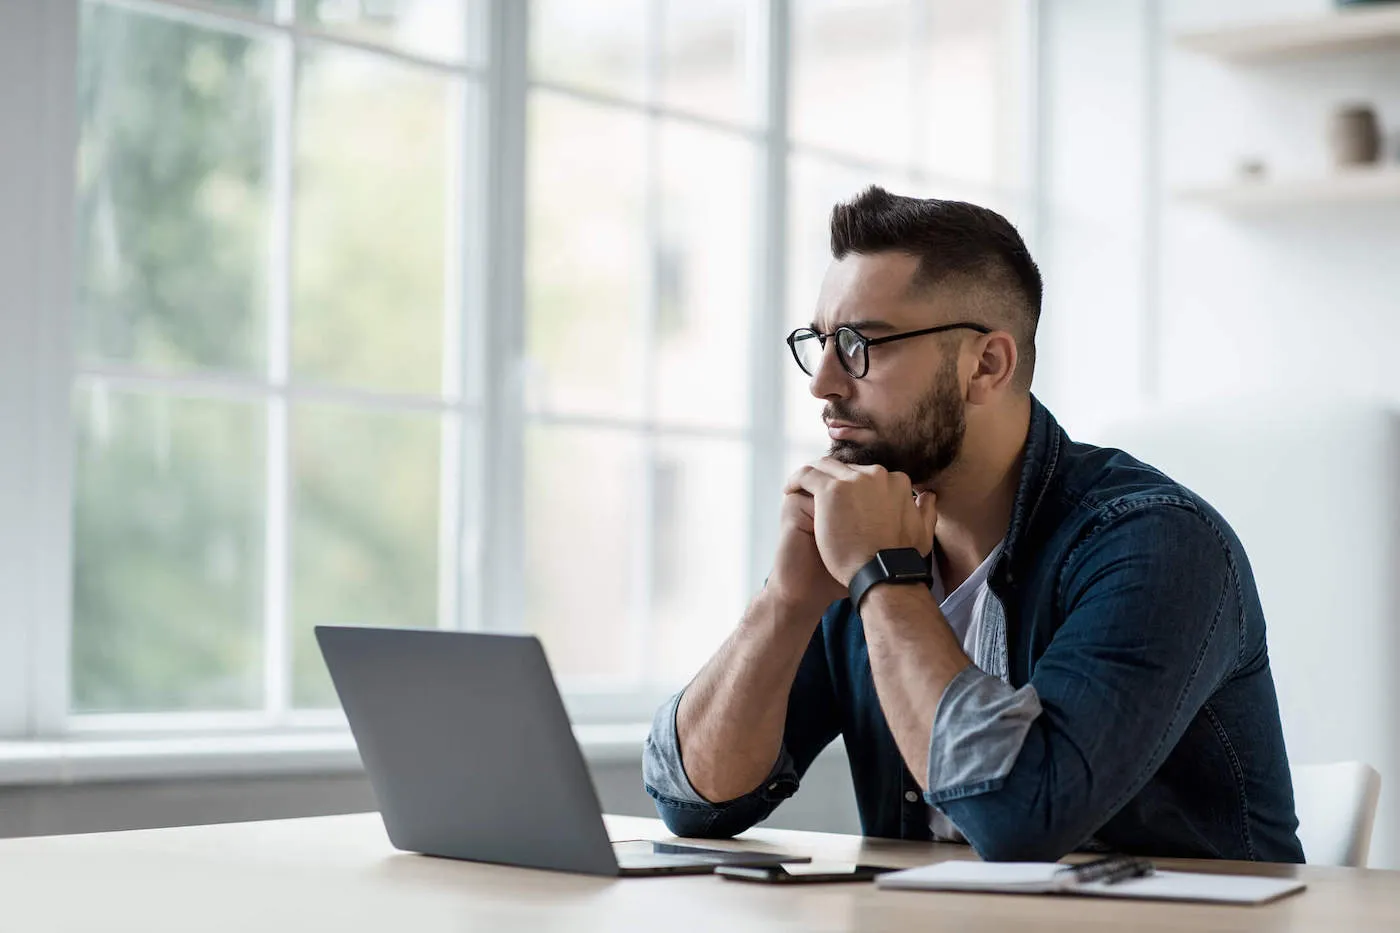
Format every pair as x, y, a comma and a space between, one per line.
1352, 186
1353, 29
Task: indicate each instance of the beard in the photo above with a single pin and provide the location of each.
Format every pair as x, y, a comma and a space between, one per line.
921, 444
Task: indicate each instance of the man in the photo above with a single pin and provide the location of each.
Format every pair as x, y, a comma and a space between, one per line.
1027, 643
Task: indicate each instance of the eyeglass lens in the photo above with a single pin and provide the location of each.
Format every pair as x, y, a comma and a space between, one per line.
807, 346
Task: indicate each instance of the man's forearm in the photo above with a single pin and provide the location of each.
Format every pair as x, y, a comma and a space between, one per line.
914, 656
730, 719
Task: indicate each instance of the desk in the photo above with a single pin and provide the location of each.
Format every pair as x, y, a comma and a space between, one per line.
340, 873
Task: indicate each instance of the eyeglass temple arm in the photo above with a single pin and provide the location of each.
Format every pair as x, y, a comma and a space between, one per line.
876, 341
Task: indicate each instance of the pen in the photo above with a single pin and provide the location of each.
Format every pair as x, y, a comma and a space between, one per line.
1111, 869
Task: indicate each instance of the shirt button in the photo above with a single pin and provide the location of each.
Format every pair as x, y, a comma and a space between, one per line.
773, 786
911, 796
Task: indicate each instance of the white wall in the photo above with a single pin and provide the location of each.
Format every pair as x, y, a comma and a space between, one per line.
1094, 124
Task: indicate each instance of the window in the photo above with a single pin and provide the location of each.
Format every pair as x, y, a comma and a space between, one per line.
639, 295
318, 378
268, 409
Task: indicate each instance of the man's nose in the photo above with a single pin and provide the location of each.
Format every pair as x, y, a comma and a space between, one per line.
831, 379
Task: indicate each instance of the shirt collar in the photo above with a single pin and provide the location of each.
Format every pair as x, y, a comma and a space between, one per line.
1042, 454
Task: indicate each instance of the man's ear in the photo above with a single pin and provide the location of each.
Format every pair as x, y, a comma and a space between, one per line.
995, 367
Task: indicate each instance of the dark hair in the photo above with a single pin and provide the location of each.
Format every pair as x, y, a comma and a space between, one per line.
955, 242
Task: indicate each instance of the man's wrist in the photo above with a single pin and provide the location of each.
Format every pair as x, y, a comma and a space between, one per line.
889, 601
783, 608
905, 619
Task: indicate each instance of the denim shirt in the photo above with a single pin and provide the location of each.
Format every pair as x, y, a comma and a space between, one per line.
1136, 711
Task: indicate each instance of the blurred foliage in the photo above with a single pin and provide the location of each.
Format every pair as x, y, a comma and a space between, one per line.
167, 610
172, 193
365, 542
370, 223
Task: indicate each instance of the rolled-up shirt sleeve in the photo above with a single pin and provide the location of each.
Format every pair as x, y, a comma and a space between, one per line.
664, 772
681, 807
661, 759
811, 726
978, 731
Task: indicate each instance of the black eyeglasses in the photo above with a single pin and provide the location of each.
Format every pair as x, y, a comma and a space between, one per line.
853, 347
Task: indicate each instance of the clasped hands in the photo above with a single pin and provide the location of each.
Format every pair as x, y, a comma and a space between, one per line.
858, 510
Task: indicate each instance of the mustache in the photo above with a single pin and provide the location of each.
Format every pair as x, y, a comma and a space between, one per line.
837, 411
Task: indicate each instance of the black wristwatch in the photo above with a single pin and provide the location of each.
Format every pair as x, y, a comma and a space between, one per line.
892, 565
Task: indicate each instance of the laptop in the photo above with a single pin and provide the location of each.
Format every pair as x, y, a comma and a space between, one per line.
471, 755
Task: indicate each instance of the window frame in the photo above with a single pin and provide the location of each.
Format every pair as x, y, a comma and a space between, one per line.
38, 56
482, 494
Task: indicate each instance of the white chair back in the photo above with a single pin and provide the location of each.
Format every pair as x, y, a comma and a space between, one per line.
1336, 806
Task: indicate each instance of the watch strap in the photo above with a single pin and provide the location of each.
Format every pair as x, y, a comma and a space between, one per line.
874, 573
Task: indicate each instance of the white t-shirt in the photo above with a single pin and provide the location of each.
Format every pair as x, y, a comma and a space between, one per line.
963, 610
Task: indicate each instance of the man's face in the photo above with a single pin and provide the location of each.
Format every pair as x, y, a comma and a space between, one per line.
907, 413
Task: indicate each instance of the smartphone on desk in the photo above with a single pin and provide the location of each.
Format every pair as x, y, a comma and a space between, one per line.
815, 872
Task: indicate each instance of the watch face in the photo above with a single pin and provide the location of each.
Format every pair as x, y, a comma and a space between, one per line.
903, 562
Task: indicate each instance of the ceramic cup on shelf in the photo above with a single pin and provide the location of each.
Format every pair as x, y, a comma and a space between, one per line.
1355, 136
1251, 169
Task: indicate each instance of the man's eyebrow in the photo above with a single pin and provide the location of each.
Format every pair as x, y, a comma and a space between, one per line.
862, 325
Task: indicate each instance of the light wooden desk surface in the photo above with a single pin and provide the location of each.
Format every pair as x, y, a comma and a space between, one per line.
340, 873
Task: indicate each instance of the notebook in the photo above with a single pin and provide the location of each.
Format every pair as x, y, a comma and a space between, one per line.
1052, 878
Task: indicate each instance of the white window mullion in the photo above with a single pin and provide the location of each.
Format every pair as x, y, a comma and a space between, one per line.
767, 356
454, 307
451, 446
277, 603
472, 256
277, 563
53, 446
222, 16
38, 103
642, 624
501, 328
